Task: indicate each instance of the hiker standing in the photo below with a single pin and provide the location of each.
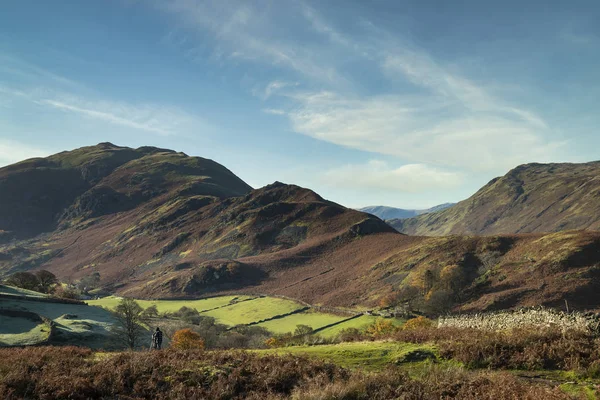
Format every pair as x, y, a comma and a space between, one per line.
157, 339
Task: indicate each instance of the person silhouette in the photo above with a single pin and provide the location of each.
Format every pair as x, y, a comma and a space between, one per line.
157, 337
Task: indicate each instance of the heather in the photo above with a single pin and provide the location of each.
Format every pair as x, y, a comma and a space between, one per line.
76, 373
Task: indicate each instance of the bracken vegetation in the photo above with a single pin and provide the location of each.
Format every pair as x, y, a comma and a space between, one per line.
75, 373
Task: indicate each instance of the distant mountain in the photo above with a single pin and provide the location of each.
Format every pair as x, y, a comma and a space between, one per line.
386, 213
530, 198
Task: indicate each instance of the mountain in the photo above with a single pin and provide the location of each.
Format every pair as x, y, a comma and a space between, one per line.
41, 194
153, 223
529, 198
386, 213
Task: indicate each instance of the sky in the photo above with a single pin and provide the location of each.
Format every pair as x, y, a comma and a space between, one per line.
368, 102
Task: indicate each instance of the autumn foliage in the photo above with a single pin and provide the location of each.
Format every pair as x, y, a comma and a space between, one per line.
419, 322
186, 339
381, 327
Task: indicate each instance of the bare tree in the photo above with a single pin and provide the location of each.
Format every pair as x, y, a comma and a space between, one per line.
129, 328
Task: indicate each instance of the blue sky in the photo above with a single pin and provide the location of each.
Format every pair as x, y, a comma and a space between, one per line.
400, 103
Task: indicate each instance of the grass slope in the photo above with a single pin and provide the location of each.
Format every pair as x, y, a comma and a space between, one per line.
15, 291
17, 331
75, 324
364, 355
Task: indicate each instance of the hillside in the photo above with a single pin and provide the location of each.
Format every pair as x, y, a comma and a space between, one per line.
529, 198
173, 226
41, 194
386, 213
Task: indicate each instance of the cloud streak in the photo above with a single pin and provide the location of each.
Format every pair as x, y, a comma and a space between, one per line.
156, 119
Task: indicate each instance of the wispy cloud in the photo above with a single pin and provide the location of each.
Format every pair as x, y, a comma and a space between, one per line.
243, 32
17, 67
272, 88
157, 119
379, 175
437, 116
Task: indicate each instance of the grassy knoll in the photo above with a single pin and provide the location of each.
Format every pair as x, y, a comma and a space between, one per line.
364, 355
172, 305
17, 331
253, 311
75, 324
313, 319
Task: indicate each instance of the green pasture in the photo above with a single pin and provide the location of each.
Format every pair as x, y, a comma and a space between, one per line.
313, 319
172, 305
359, 323
253, 311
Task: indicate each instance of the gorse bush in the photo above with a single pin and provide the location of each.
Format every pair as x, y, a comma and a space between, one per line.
74, 373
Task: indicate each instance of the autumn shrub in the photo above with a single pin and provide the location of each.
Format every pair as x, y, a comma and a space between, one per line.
381, 327
419, 322
186, 339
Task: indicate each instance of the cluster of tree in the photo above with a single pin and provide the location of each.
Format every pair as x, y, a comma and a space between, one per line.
433, 292
41, 281
46, 282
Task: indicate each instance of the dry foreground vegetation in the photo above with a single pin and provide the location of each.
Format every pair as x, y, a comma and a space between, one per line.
429, 362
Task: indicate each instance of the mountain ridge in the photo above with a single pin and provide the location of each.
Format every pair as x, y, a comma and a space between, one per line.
530, 198
152, 223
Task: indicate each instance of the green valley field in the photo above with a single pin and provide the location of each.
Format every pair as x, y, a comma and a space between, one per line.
275, 314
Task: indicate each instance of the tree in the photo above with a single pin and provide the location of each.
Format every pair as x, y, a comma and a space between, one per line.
186, 339
65, 292
150, 312
303, 330
129, 328
452, 278
23, 280
428, 281
47, 281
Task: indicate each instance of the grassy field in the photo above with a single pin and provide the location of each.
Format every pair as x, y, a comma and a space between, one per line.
313, 319
172, 305
364, 355
253, 311
235, 310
